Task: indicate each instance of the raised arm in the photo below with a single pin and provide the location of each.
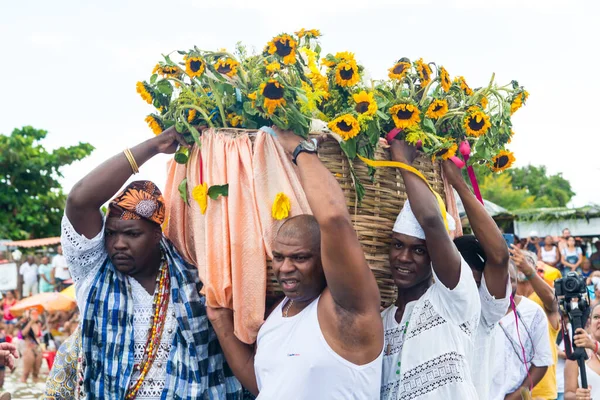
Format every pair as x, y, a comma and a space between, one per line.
535, 376
486, 231
97, 187
349, 279
445, 257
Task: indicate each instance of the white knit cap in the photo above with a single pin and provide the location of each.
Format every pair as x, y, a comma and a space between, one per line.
407, 224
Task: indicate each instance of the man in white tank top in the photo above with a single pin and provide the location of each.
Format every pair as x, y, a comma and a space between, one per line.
325, 339
429, 331
487, 254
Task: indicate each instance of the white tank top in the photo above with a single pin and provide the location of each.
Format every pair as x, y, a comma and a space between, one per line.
593, 380
293, 361
549, 256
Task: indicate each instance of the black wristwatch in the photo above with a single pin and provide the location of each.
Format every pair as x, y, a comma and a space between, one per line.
305, 146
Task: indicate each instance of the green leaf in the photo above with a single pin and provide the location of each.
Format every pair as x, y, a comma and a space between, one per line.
183, 190
164, 87
218, 190
153, 79
182, 52
428, 126
349, 147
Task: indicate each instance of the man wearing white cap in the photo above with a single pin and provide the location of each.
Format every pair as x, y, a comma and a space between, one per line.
429, 332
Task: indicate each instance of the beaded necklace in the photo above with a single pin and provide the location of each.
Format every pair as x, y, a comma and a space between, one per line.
159, 309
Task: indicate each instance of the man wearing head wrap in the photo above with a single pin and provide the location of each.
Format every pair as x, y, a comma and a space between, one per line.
144, 329
487, 254
429, 330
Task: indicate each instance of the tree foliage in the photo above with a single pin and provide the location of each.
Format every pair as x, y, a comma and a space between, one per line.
31, 197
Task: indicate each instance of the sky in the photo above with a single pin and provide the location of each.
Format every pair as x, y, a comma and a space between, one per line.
70, 67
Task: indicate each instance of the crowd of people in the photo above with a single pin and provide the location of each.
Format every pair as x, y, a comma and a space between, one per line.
474, 319
39, 275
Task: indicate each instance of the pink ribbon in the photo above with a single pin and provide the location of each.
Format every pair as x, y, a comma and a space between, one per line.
465, 151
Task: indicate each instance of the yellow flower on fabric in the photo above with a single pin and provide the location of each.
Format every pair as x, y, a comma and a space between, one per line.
398, 71
142, 89
346, 74
154, 123
228, 67
281, 207
446, 153
200, 194
405, 115
273, 67
272, 91
518, 101
285, 47
502, 161
309, 33
445, 79
463, 85
424, 71
346, 126
476, 122
234, 119
365, 103
191, 115
437, 109
194, 66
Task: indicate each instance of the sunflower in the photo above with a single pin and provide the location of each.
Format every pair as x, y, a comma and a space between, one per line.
424, 71
194, 66
476, 122
463, 85
345, 56
445, 79
437, 109
155, 124
273, 67
142, 89
234, 119
502, 161
446, 153
228, 67
191, 115
346, 74
272, 91
328, 63
365, 103
309, 33
484, 102
399, 70
167, 70
512, 133
405, 115
518, 101
346, 126
285, 47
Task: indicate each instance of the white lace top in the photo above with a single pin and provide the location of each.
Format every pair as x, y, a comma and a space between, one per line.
85, 257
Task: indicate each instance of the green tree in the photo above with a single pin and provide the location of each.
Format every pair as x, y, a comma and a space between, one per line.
498, 188
31, 197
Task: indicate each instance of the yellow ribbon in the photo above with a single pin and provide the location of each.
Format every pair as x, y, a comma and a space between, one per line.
396, 164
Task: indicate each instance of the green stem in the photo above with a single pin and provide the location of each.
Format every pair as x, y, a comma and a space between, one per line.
195, 107
425, 93
218, 101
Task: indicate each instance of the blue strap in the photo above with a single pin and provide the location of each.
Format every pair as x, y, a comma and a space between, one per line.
269, 130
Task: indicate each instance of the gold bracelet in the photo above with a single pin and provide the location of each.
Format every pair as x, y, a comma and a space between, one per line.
132, 163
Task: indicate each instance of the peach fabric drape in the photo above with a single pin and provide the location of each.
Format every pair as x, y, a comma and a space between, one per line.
230, 243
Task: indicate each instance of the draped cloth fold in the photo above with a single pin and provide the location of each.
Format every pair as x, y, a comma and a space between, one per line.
230, 243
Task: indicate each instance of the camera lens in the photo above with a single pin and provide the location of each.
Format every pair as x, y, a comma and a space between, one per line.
571, 284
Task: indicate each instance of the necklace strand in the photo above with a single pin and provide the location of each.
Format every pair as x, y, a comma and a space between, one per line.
287, 308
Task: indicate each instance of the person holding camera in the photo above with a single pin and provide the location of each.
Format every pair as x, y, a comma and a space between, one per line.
590, 342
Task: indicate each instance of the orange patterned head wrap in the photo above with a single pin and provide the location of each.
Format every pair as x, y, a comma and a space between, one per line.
140, 199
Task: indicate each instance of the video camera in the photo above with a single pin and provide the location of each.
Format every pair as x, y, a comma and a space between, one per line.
574, 301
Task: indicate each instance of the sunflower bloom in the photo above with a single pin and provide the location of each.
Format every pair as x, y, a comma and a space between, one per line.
484, 102
463, 85
169, 71
345, 56
502, 161
142, 89
365, 104
437, 109
446, 153
191, 115
272, 91
398, 71
424, 71
405, 115
281, 207
445, 79
512, 133
234, 119
285, 47
309, 33
327, 63
273, 67
194, 66
346, 74
155, 124
518, 101
346, 126
476, 122
228, 67
200, 194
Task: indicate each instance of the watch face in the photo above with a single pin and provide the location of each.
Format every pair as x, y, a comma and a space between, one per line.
309, 145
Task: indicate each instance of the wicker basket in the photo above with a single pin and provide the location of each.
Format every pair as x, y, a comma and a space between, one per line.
374, 218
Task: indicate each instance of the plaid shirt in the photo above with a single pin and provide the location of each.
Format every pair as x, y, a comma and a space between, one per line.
196, 368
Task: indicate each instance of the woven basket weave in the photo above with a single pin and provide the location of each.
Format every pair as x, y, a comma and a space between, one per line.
374, 217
